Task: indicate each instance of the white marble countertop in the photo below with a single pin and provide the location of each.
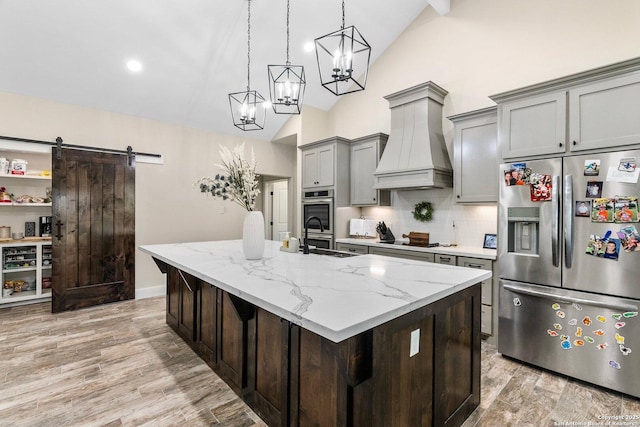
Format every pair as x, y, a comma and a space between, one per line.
335, 298
470, 251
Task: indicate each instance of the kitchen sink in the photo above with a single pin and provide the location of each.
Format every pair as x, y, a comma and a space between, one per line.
331, 252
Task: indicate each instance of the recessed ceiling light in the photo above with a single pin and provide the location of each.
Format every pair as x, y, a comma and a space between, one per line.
309, 46
134, 65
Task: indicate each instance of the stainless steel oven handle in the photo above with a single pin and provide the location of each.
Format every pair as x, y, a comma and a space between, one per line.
568, 220
555, 227
316, 201
569, 300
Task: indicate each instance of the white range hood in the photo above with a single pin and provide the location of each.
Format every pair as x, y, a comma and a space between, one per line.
416, 155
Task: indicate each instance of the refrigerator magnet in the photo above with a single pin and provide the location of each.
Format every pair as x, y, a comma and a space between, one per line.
594, 189
602, 210
540, 187
595, 246
627, 164
626, 209
583, 208
612, 249
629, 238
592, 167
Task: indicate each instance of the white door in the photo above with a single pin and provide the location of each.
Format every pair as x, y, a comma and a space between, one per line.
280, 213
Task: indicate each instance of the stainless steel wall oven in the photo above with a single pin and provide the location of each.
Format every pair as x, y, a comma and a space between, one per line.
319, 204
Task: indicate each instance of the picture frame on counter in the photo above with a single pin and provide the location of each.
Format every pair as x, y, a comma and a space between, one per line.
490, 241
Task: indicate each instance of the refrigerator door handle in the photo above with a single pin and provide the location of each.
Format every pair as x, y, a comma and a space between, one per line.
571, 300
568, 220
555, 228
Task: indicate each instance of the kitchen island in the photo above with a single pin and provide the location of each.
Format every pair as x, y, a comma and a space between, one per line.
328, 341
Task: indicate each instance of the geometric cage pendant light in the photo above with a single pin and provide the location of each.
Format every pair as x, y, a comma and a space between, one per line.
247, 108
286, 84
343, 60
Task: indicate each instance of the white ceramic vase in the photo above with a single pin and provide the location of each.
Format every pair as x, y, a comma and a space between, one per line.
253, 235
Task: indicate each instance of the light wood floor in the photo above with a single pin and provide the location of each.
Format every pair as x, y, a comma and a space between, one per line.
121, 365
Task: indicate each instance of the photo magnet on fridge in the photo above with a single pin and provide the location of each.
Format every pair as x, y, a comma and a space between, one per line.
594, 189
592, 167
602, 210
626, 209
612, 249
540, 186
629, 238
583, 208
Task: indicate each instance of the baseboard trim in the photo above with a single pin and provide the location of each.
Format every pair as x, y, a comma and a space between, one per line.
150, 292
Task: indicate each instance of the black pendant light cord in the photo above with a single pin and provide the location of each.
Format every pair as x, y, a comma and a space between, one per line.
343, 14
288, 63
248, 46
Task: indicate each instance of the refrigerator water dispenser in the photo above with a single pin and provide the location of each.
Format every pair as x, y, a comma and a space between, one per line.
523, 230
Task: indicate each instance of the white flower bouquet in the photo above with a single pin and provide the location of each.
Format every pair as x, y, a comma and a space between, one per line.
238, 180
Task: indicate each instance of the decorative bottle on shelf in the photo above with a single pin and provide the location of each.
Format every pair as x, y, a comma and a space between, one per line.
253, 235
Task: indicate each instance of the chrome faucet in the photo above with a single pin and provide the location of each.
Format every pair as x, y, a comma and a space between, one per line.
305, 249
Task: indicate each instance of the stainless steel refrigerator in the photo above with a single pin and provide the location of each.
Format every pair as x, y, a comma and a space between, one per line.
569, 267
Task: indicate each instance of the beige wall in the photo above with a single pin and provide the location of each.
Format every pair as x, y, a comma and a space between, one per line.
168, 208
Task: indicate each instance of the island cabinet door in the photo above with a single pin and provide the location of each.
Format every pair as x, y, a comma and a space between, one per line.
187, 312
234, 317
457, 357
268, 371
206, 323
173, 296
328, 381
403, 371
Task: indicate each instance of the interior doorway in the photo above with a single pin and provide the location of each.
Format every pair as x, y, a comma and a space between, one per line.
276, 208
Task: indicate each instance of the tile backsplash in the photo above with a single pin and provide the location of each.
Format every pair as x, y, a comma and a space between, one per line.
471, 222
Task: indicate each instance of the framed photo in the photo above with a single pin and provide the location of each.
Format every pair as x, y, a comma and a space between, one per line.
490, 241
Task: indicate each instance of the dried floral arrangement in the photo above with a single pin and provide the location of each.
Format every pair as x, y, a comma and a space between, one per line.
237, 181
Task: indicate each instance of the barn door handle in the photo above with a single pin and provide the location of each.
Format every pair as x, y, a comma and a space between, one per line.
59, 224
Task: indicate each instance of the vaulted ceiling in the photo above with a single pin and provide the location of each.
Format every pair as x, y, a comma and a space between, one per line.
193, 52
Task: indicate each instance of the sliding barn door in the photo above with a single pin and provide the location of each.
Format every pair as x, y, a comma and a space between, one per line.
93, 229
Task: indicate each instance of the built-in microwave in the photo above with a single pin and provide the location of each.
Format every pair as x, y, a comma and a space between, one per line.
318, 204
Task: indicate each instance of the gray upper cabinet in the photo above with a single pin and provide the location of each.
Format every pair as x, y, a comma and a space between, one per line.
533, 126
593, 110
325, 165
605, 114
318, 166
365, 153
475, 156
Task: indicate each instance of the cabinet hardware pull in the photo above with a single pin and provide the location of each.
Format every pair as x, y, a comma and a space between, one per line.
575, 143
59, 224
560, 144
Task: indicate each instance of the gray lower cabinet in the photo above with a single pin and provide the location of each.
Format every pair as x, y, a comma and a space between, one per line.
401, 253
595, 109
445, 259
475, 156
348, 247
487, 307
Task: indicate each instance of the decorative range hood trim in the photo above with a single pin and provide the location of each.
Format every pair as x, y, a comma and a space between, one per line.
416, 155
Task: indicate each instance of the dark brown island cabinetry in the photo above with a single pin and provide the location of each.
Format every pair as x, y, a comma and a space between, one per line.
420, 369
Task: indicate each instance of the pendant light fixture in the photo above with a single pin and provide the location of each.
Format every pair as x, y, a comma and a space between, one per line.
343, 60
286, 84
247, 108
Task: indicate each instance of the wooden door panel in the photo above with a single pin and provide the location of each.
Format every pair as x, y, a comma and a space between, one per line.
93, 229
